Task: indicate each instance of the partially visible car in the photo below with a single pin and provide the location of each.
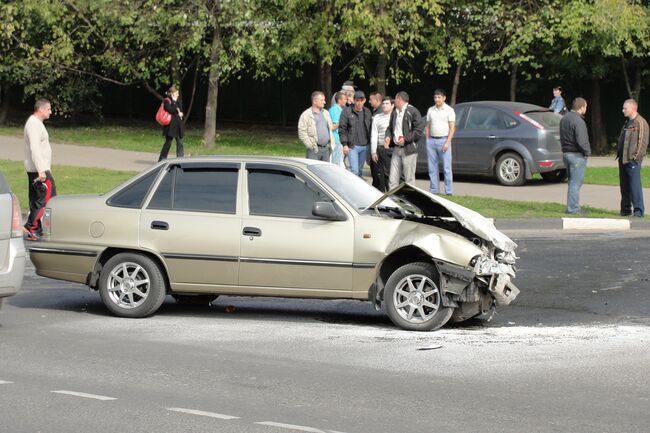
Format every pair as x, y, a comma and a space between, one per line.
197, 228
507, 140
12, 249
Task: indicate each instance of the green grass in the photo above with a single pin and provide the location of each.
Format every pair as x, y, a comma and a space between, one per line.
230, 141
69, 180
78, 180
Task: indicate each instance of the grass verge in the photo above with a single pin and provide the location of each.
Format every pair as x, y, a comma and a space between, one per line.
230, 141
79, 180
69, 180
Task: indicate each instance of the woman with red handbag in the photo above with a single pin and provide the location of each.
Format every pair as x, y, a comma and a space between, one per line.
175, 129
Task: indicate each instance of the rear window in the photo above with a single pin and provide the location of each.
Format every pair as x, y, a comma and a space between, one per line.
547, 119
133, 195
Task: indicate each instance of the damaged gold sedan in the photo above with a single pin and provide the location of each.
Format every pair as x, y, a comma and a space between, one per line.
201, 227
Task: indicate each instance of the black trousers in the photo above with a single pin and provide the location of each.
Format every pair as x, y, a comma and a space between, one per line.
383, 168
168, 143
39, 194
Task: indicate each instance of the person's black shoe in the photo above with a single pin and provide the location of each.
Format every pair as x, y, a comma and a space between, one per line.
625, 214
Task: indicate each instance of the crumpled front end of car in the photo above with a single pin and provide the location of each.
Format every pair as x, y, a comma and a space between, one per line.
497, 272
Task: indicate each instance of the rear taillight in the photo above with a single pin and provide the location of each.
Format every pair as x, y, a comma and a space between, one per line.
533, 122
46, 222
16, 218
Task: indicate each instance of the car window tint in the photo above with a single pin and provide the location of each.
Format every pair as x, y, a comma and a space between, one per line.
509, 122
483, 118
460, 111
280, 193
162, 198
548, 119
205, 189
133, 195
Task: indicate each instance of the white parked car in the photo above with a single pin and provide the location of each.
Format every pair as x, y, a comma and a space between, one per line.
12, 249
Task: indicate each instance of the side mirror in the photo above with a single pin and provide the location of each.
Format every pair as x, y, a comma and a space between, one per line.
327, 210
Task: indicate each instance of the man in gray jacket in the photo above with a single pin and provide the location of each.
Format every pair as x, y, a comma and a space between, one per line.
315, 129
575, 149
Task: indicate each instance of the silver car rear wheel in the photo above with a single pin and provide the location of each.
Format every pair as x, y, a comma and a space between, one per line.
413, 299
132, 285
510, 170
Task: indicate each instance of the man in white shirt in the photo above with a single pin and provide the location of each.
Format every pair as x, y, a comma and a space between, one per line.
441, 125
38, 161
380, 155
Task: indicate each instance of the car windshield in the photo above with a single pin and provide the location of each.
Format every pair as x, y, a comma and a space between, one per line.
547, 119
349, 186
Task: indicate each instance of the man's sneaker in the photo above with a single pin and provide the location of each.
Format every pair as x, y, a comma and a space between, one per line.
29, 235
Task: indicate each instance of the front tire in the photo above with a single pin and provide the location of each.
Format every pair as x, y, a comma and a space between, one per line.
132, 285
413, 300
510, 170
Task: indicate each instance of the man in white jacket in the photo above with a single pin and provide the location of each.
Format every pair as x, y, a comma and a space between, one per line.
38, 161
315, 129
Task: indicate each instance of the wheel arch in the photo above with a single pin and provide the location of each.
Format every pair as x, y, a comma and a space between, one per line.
395, 260
111, 252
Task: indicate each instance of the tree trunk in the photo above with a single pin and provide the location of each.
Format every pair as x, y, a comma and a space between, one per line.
513, 83
325, 79
382, 65
210, 129
598, 131
637, 84
188, 110
175, 70
456, 84
4, 104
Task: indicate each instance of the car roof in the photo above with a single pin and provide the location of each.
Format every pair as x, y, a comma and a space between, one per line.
245, 158
506, 105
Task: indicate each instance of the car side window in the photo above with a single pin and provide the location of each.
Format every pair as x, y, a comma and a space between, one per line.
460, 112
133, 195
509, 122
201, 189
483, 118
280, 193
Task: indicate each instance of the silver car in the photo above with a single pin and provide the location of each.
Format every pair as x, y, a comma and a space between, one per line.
12, 250
507, 140
259, 226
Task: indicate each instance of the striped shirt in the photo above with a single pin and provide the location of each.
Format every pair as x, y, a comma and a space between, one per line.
378, 130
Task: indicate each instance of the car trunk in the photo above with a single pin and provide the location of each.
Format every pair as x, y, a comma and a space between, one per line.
548, 137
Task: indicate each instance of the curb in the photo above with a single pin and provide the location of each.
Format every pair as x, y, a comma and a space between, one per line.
601, 224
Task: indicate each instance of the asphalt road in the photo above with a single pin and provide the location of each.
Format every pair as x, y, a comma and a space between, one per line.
571, 355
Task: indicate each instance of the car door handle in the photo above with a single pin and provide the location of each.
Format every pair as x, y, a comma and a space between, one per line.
492, 137
252, 231
159, 225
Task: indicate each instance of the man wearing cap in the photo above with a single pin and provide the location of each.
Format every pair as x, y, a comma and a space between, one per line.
315, 129
405, 132
348, 89
354, 131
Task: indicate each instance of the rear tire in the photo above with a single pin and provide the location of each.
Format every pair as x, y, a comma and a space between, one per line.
413, 300
132, 285
555, 176
510, 170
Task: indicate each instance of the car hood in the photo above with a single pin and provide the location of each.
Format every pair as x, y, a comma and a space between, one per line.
435, 206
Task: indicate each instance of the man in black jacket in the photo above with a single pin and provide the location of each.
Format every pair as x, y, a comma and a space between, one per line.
405, 133
354, 132
575, 149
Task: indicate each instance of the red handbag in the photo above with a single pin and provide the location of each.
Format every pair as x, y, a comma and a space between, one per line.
163, 117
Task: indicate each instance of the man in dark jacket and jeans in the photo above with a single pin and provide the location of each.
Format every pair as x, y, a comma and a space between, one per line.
354, 132
632, 146
575, 149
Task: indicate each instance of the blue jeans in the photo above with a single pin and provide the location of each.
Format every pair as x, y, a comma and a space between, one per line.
631, 190
434, 154
575, 164
357, 158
